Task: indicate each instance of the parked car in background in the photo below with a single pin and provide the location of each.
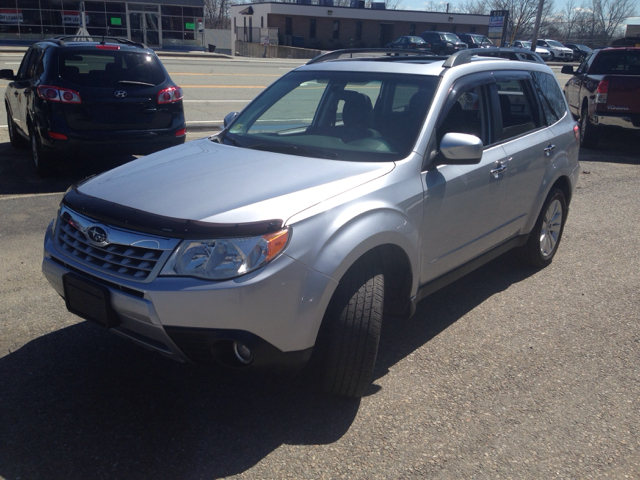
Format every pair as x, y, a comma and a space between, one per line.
410, 42
580, 52
543, 52
475, 40
556, 49
71, 97
443, 43
604, 92
349, 189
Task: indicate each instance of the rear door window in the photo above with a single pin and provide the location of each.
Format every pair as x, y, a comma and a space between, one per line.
110, 68
518, 107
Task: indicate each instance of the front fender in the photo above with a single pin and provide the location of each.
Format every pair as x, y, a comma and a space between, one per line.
334, 238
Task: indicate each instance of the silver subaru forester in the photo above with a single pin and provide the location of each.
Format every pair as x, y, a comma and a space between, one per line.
350, 188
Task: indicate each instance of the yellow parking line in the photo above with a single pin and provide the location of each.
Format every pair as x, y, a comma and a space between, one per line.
223, 86
226, 74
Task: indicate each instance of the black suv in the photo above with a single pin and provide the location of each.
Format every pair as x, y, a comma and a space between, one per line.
72, 96
443, 43
475, 40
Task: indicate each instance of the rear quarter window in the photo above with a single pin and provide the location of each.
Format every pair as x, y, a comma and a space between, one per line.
550, 95
109, 68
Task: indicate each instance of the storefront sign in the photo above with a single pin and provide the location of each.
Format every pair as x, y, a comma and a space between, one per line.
10, 16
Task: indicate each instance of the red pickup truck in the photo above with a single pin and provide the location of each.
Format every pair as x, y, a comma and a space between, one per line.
604, 92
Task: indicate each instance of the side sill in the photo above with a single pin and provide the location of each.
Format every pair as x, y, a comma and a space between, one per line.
450, 277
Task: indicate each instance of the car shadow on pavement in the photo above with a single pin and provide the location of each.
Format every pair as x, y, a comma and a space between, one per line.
443, 308
17, 176
615, 147
80, 402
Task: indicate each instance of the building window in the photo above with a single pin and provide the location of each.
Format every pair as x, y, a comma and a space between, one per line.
312, 28
358, 30
473, 30
336, 29
434, 28
412, 29
288, 26
261, 22
453, 30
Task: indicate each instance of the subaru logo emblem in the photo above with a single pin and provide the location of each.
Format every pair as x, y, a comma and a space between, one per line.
120, 94
97, 236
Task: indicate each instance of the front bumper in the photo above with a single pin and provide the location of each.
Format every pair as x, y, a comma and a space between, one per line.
275, 311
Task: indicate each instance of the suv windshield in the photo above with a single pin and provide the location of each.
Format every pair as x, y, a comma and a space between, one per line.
553, 43
109, 68
343, 115
450, 37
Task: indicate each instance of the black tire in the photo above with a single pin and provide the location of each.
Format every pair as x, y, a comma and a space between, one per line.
545, 237
347, 344
14, 137
588, 133
42, 162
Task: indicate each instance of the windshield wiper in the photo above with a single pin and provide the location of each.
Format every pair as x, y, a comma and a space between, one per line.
132, 82
294, 150
232, 141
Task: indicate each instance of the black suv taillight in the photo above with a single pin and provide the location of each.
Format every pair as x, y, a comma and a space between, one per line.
56, 94
170, 95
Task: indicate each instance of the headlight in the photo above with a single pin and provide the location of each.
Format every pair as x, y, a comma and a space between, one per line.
225, 258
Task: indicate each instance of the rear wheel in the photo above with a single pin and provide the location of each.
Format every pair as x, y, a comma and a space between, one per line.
588, 133
546, 234
348, 340
42, 162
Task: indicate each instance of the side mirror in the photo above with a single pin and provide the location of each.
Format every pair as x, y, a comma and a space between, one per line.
230, 118
567, 69
460, 149
7, 74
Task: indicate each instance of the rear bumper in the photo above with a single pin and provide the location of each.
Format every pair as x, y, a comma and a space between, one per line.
619, 121
132, 142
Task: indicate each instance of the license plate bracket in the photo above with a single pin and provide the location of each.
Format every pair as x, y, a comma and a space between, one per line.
89, 300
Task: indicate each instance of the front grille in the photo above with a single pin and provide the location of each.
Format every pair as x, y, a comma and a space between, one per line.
126, 261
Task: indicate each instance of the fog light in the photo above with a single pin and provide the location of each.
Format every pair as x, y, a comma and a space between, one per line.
242, 353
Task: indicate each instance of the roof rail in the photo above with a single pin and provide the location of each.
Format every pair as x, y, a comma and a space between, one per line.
361, 54
518, 54
60, 40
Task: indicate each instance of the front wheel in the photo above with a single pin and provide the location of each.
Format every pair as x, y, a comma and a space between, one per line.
547, 232
14, 137
347, 344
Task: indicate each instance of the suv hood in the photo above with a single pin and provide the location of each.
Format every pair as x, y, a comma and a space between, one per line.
211, 182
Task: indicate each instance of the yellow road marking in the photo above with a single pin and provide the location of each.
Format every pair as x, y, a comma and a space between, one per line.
223, 86
227, 74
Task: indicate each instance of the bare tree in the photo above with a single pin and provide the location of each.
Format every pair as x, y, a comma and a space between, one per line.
216, 14
609, 15
476, 7
522, 15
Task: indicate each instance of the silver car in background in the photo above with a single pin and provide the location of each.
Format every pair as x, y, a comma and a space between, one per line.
349, 189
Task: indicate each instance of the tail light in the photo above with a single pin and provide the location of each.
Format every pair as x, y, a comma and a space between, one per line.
108, 47
58, 136
170, 95
181, 133
56, 94
601, 93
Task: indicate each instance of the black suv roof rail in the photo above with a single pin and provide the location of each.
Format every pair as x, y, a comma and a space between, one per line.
459, 58
60, 40
391, 54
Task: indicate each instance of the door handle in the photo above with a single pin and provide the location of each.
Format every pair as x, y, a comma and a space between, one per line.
499, 170
550, 148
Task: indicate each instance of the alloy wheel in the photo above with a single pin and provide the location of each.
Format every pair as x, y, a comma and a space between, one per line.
551, 228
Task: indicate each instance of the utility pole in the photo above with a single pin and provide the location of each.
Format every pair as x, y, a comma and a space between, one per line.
536, 28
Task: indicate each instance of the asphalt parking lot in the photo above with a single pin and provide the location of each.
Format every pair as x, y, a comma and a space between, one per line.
507, 373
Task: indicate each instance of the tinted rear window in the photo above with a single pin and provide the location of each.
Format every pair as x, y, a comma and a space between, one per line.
108, 68
620, 62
